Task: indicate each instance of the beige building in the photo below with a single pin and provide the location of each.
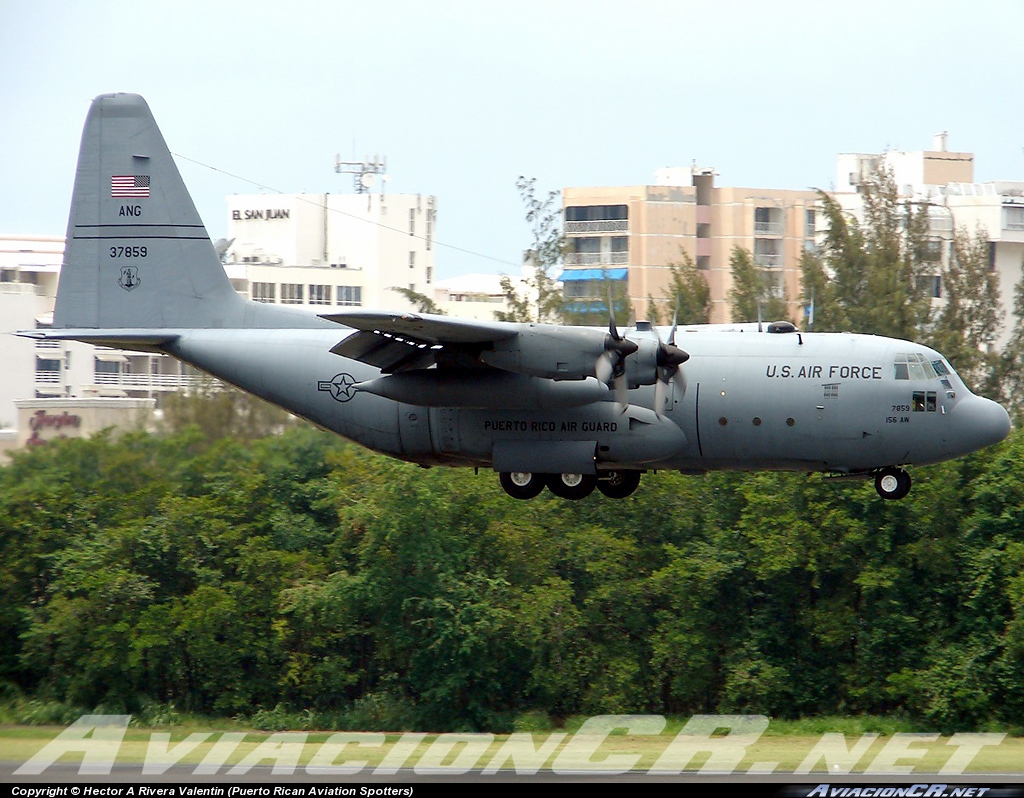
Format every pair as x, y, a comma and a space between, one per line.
632, 234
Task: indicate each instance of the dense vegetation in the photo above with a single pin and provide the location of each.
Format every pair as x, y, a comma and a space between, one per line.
300, 573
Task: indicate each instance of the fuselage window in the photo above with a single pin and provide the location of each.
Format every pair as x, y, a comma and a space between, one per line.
915, 366
925, 401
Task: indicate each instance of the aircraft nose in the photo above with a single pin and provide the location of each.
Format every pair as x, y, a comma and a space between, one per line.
984, 422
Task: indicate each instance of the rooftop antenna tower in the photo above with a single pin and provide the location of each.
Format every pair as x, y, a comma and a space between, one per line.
364, 173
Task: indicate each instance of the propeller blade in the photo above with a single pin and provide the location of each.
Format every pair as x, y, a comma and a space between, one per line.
669, 358
660, 393
675, 323
621, 396
604, 368
680, 378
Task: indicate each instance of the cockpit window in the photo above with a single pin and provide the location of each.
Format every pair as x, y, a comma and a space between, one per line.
915, 366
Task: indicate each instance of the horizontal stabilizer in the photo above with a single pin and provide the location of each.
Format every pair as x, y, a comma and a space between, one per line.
114, 338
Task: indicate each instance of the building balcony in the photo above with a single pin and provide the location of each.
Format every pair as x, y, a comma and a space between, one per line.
22, 289
768, 261
597, 258
601, 226
767, 228
48, 377
155, 382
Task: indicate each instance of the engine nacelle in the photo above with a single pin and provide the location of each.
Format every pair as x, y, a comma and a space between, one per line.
484, 388
559, 353
642, 367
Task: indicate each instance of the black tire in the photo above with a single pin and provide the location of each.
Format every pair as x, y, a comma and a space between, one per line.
892, 483
618, 484
572, 486
521, 484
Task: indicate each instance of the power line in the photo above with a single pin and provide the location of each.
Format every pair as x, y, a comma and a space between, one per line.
302, 198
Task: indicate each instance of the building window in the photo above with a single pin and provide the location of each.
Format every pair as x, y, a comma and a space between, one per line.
767, 252
350, 295
430, 274
596, 219
319, 295
430, 227
412, 221
1013, 218
264, 292
768, 221
47, 371
107, 367
596, 213
810, 223
291, 293
412, 260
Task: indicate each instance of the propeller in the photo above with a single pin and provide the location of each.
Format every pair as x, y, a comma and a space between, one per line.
668, 360
611, 363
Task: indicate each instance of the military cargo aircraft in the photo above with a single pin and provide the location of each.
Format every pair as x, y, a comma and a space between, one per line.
567, 408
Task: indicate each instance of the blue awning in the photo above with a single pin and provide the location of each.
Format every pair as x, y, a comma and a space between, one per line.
569, 275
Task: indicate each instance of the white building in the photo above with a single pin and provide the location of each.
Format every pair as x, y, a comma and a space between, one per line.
943, 181
338, 250
29, 270
476, 296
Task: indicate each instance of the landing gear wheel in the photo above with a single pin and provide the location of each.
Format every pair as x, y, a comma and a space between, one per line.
892, 483
521, 484
572, 486
618, 484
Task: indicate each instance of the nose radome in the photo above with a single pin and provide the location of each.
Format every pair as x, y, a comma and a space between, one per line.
985, 422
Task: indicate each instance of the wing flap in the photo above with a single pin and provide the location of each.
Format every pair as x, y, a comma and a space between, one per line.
389, 353
426, 327
396, 342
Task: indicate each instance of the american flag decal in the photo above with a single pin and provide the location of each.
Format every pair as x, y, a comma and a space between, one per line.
129, 186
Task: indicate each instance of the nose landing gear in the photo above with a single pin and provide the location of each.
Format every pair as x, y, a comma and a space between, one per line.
892, 483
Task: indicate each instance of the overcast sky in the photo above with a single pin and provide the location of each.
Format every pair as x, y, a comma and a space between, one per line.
463, 97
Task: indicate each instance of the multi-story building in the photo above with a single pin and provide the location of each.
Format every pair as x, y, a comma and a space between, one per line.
29, 270
631, 235
943, 182
338, 250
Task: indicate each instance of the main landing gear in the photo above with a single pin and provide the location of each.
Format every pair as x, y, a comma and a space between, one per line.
613, 484
892, 483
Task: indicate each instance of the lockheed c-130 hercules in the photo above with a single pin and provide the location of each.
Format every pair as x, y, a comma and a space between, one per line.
569, 408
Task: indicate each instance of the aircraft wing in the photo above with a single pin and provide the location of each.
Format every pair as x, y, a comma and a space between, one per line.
395, 342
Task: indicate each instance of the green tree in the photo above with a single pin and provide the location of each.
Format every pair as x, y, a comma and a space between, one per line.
967, 323
220, 411
1011, 360
422, 302
753, 295
887, 257
540, 298
688, 295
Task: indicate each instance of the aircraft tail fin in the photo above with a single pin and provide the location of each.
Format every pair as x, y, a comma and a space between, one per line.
137, 255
